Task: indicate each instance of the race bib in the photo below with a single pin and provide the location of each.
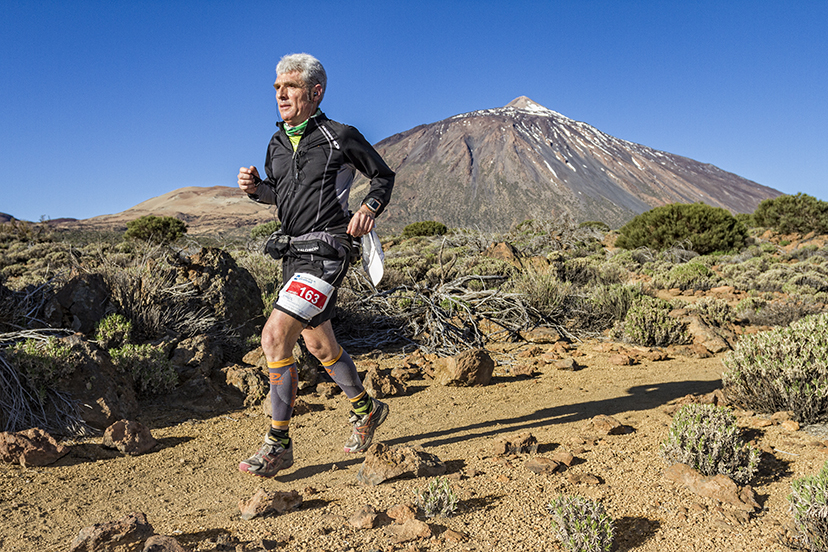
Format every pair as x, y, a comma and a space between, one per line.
305, 295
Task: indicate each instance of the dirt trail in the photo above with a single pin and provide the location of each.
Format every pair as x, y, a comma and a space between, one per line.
189, 485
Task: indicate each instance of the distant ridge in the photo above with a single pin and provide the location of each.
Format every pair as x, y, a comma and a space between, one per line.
495, 167
490, 169
206, 210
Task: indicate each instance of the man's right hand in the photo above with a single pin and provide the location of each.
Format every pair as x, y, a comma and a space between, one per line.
249, 179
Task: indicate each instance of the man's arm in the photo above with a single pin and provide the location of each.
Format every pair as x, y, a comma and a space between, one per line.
367, 161
250, 183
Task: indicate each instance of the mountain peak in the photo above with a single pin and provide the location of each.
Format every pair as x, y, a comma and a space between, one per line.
526, 104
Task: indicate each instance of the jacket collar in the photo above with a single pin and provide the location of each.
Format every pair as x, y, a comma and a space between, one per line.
313, 122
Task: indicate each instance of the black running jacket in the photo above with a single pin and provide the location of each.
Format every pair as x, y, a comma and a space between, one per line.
310, 187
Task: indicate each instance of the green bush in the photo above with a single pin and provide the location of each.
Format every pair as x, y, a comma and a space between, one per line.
265, 229
113, 331
782, 369
692, 275
151, 370
424, 228
705, 437
156, 230
715, 312
746, 219
648, 323
43, 362
809, 507
581, 524
707, 229
793, 213
437, 498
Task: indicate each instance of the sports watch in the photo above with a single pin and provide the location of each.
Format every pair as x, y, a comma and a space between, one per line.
373, 204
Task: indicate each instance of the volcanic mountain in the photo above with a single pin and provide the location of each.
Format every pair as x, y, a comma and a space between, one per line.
490, 169
495, 167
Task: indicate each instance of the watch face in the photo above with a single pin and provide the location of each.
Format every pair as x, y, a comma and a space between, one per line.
373, 204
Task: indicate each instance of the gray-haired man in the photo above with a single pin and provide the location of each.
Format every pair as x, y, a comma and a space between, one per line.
310, 165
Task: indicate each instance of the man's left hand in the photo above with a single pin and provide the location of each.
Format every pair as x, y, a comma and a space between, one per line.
361, 223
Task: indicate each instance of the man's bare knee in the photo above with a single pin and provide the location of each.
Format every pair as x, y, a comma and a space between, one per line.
279, 335
321, 342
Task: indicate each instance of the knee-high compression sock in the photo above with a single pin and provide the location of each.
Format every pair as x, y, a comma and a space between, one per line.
343, 371
284, 383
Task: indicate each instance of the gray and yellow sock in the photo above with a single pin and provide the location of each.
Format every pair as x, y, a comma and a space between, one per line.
284, 384
344, 372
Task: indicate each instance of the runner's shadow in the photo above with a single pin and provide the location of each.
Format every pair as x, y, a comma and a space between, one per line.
643, 397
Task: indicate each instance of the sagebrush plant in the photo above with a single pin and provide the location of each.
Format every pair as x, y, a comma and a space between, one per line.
265, 229
782, 369
581, 524
692, 275
715, 312
706, 438
437, 498
113, 331
43, 362
150, 367
542, 290
589, 270
648, 323
809, 507
26, 232
605, 305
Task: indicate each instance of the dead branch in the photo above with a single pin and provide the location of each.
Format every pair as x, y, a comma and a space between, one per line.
23, 407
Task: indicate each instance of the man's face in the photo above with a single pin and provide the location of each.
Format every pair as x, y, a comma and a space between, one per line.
292, 96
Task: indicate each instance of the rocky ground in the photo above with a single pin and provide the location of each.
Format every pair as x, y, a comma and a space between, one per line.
189, 487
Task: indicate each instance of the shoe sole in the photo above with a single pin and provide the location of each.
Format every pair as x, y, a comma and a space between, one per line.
245, 468
261, 475
383, 416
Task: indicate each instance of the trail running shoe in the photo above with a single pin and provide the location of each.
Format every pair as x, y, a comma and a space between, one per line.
271, 458
364, 427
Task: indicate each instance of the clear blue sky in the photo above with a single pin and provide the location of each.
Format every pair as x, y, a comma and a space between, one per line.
105, 104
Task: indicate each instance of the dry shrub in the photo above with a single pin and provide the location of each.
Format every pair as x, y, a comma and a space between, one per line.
809, 507
782, 369
581, 524
705, 437
781, 312
692, 275
648, 323
715, 312
543, 291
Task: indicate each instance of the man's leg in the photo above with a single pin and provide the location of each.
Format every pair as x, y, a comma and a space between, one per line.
278, 338
368, 413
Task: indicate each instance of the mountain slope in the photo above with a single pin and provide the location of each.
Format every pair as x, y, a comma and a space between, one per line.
205, 210
495, 167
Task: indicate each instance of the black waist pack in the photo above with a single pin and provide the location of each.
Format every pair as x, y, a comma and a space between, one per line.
320, 244
277, 245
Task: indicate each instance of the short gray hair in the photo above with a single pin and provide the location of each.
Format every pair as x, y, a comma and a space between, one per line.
310, 69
